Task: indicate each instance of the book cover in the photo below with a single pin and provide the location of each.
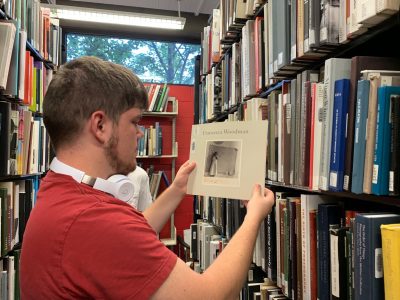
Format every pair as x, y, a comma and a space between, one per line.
338, 146
230, 158
380, 175
391, 260
368, 271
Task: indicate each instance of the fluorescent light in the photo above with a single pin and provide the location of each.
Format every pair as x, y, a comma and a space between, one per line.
116, 17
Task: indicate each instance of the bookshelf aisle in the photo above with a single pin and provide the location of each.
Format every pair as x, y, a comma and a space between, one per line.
325, 75
157, 153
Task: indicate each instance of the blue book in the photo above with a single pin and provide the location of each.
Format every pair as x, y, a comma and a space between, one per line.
368, 263
380, 175
360, 124
328, 214
338, 145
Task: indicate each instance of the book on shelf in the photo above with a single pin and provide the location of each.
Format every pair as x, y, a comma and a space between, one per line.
328, 214
338, 262
359, 63
368, 265
381, 161
335, 68
394, 178
391, 260
338, 146
360, 135
7, 35
228, 162
377, 79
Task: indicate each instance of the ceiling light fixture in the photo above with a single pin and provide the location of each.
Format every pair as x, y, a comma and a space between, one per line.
116, 17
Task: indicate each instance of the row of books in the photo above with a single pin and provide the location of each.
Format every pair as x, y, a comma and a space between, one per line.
314, 247
16, 201
335, 128
158, 97
276, 44
42, 31
22, 76
25, 144
9, 276
151, 144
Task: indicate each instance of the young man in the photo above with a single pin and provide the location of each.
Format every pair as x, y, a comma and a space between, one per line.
142, 198
83, 243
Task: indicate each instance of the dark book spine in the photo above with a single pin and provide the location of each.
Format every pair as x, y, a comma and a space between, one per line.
5, 109
328, 214
271, 246
313, 255
394, 178
292, 249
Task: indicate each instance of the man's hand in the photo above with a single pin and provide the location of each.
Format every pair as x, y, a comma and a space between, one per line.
181, 178
260, 204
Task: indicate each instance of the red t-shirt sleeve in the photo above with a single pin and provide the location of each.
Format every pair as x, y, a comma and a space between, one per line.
114, 254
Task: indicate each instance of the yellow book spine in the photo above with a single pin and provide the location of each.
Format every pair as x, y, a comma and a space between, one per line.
391, 260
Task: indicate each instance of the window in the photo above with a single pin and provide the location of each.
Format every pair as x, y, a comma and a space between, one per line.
152, 61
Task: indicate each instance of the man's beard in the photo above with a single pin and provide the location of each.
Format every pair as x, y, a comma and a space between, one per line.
117, 164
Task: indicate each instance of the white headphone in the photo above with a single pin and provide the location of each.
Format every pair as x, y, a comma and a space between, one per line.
120, 186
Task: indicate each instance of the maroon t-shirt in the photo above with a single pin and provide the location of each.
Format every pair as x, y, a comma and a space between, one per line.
81, 243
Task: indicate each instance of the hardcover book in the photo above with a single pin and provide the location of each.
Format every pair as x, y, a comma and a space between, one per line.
380, 176
338, 145
230, 158
359, 63
368, 271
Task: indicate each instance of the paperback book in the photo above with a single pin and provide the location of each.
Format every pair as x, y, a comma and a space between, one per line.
230, 158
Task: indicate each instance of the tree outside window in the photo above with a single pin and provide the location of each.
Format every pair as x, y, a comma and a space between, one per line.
152, 61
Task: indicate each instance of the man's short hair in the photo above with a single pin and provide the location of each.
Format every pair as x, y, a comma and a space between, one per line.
83, 86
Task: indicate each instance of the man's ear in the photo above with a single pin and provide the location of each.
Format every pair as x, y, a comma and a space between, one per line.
99, 123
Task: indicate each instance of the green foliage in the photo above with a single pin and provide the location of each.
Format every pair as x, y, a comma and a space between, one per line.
151, 61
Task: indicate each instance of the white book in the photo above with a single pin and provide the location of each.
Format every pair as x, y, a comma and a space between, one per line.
215, 39
11, 278
335, 68
318, 94
227, 162
7, 36
22, 57
372, 12
266, 46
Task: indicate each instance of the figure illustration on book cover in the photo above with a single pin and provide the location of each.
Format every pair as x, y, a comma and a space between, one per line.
222, 159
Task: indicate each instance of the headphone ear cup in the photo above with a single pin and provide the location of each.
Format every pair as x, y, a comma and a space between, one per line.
122, 186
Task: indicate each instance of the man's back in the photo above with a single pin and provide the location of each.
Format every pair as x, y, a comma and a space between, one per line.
142, 197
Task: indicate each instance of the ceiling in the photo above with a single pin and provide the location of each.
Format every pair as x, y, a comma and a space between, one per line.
191, 6
196, 12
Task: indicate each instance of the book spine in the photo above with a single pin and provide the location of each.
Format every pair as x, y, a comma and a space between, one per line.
394, 178
313, 256
360, 136
328, 214
341, 96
